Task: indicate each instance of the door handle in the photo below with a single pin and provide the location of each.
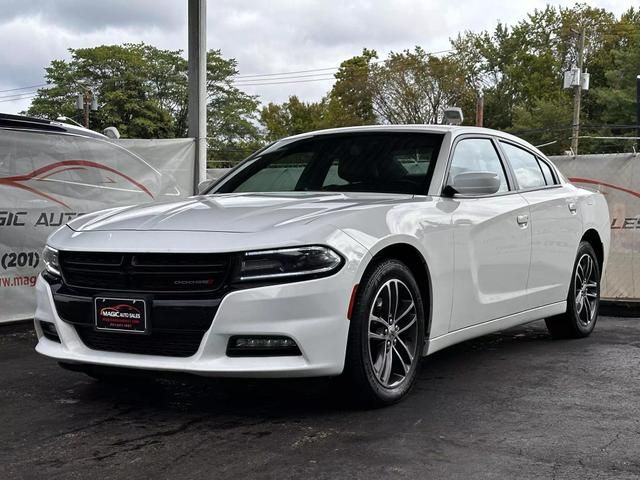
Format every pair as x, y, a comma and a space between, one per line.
523, 220
572, 207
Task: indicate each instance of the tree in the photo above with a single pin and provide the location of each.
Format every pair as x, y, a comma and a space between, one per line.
614, 92
292, 117
350, 101
520, 70
142, 90
232, 115
415, 87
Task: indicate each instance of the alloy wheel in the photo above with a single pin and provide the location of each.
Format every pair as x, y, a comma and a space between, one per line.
393, 333
586, 289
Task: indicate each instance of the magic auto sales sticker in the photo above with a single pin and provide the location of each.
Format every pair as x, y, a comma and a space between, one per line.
121, 314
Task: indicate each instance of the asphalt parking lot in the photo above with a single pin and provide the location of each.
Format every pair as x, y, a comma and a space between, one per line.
509, 405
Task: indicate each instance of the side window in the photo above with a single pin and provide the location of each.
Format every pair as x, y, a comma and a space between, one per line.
477, 155
525, 166
546, 172
281, 175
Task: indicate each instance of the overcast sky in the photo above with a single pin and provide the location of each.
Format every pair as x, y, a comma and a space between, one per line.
270, 36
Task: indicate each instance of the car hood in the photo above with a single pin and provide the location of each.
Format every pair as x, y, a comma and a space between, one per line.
234, 213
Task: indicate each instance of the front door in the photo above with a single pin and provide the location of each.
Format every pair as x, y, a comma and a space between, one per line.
492, 242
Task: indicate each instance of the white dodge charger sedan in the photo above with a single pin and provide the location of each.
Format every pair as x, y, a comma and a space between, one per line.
351, 252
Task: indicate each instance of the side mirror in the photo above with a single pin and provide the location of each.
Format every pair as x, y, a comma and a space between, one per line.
475, 183
112, 132
204, 186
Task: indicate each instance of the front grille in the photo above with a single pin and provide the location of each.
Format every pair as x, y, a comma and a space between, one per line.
145, 272
170, 344
182, 291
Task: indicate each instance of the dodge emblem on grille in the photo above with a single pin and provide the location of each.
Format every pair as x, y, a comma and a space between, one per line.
208, 281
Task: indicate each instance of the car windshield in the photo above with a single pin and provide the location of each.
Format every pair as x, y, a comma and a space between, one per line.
381, 162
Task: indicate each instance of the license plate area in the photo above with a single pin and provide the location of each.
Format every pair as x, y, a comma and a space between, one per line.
121, 314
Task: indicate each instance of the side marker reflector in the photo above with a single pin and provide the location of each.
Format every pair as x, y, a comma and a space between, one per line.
352, 301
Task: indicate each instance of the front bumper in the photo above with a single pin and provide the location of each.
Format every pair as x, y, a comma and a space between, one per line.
313, 313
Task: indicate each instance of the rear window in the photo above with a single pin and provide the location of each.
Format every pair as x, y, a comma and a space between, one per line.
525, 166
547, 173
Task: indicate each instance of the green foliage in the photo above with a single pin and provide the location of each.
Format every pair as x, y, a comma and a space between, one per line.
408, 87
292, 117
415, 87
142, 90
350, 101
518, 69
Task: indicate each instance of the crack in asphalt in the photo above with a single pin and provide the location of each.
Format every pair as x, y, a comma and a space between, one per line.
142, 438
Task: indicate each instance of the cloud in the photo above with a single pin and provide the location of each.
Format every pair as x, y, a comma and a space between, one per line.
264, 36
82, 16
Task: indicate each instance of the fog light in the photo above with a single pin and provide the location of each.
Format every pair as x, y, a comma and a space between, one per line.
261, 346
49, 331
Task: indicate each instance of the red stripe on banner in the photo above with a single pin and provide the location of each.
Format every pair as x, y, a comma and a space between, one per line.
62, 170
37, 192
74, 164
604, 184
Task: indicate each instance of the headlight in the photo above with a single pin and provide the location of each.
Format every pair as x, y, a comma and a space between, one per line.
289, 263
50, 260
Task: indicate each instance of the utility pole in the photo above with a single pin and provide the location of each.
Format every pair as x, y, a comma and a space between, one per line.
86, 102
638, 107
480, 110
577, 95
197, 111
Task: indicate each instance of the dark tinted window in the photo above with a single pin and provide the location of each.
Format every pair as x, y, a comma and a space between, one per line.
358, 162
525, 166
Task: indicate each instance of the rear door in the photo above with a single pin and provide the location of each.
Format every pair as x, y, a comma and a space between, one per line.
555, 224
492, 240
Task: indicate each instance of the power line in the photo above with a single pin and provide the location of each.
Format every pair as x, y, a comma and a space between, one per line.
286, 81
286, 73
24, 88
18, 94
283, 78
19, 98
264, 78
437, 52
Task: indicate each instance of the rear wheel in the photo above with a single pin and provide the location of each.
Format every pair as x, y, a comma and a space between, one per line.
386, 335
583, 301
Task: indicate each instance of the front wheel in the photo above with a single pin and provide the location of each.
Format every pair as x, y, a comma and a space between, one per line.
583, 301
386, 335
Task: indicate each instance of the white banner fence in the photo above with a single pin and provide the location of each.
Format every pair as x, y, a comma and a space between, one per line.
617, 176
46, 179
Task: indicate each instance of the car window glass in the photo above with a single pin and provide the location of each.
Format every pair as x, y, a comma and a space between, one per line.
477, 155
333, 177
525, 166
546, 172
386, 162
281, 175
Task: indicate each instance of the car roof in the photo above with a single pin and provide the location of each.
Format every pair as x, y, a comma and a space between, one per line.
22, 122
455, 130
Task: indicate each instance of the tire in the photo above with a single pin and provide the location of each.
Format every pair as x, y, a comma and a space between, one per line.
378, 333
583, 300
